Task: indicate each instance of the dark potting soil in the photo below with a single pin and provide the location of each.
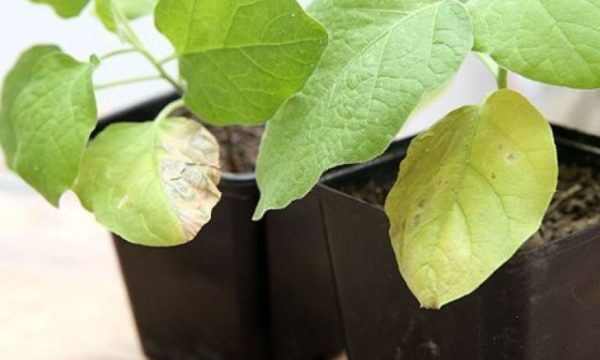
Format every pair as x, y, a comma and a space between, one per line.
575, 206
239, 146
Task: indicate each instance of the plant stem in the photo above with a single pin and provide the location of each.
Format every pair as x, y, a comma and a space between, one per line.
168, 110
497, 71
135, 41
161, 70
127, 81
167, 59
116, 53
502, 78
489, 63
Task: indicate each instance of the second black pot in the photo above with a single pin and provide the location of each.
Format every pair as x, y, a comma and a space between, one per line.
544, 304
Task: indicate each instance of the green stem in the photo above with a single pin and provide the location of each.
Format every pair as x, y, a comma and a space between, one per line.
135, 41
502, 78
168, 110
116, 53
167, 59
489, 63
127, 81
497, 71
161, 70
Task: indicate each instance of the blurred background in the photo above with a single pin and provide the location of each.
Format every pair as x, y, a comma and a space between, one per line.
61, 295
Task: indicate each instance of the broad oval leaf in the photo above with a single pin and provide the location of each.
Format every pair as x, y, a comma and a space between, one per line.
552, 41
48, 112
131, 9
153, 183
65, 8
384, 57
470, 192
241, 58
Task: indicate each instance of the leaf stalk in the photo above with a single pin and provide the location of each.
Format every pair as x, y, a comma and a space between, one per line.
131, 37
127, 81
169, 109
502, 78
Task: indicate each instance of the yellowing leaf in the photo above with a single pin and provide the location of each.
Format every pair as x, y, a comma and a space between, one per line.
241, 58
48, 112
471, 191
552, 41
153, 183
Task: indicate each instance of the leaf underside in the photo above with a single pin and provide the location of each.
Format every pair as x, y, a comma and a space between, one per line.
470, 192
65, 8
48, 112
241, 58
160, 189
552, 41
383, 59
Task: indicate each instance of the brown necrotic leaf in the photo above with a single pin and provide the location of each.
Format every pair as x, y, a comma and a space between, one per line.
153, 183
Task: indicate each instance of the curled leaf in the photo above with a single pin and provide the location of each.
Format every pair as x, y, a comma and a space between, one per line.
48, 112
153, 183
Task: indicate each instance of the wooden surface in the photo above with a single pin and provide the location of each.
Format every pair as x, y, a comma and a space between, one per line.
61, 294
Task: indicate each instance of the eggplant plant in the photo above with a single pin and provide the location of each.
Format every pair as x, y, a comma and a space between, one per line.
334, 86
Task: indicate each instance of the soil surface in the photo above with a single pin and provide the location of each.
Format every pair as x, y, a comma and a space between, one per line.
239, 144
575, 206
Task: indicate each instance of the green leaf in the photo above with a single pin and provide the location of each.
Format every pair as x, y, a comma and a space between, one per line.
241, 58
384, 57
160, 188
48, 112
552, 41
65, 8
470, 192
131, 9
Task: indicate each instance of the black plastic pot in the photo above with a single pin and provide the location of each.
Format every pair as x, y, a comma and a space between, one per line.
304, 313
241, 289
544, 304
207, 299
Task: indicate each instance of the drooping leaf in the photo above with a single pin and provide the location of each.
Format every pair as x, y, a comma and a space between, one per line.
48, 112
131, 9
552, 41
15, 82
470, 192
153, 183
65, 8
384, 57
241, 58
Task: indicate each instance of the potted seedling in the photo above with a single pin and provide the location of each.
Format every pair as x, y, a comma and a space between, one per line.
471, 190
153, 175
